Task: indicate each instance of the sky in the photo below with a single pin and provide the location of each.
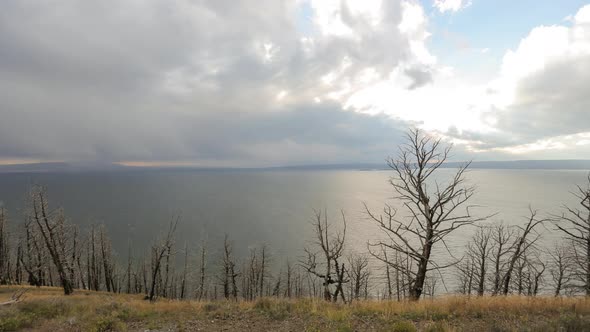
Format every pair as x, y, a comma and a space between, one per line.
244, 83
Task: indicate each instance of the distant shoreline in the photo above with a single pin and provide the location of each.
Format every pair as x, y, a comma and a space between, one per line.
60, 167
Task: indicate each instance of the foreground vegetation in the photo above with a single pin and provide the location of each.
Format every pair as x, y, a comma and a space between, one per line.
46, 309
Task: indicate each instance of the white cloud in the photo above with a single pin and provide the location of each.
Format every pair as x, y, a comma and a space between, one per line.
540, 100
583, 15
451, 5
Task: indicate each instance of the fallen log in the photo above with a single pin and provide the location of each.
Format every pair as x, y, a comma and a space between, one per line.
15, 298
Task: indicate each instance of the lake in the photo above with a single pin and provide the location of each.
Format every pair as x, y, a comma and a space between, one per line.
272, 207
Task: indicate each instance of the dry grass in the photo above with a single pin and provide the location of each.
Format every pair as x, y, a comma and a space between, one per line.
48, 309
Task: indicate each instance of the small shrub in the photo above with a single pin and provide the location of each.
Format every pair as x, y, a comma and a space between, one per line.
439, 326
438, 316
263, 304
44, 309
274, 310
15, 322
209, 307
279, 313
574, 323
25, 314
108, 323
108, 308
404, 326
365, 312
413, 315
345, 328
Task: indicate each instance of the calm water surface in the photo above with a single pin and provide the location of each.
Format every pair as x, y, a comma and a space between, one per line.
272, 207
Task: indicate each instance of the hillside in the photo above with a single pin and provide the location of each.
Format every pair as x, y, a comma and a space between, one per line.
46, 309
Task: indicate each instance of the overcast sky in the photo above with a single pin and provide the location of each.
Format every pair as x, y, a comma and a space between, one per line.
282, 82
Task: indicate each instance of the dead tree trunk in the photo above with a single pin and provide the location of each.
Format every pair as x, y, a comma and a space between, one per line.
522, 243
501, 237
4, 248
229, 281
106, 256
559, 268
184, 273
358, 274
159, 251
433, 210
574, 223
329, 269
202, 267
479, 250
53, 229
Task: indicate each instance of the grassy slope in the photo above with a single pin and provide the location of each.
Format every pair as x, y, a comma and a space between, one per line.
46, 309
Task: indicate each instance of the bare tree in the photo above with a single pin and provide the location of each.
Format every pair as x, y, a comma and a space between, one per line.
159, 251
289, 280
94, 271
18, 269
525, 239
466, 275
434, 210
250, 276
184, 273
479, 250
229, 271
262, 269
329, 270
4, 248
129, 266
202, 269
560, 267
430, 285
107, 259
388, 283
575, 224
54, 230
502, 237
358, 274
33, 256
536, 269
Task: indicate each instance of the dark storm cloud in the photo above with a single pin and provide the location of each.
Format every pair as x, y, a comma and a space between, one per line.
552, 102
419, 76
185, 80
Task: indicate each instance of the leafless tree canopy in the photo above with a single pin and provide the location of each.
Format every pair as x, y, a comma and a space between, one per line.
56, 235
474, 267
328, 266
505, 257
160, 251
432, 210
574, 223
525, 239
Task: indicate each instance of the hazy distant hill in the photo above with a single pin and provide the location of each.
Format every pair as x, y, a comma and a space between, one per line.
517, 164
531, 164
59, 167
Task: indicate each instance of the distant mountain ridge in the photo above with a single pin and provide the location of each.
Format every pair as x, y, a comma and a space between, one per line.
63, 167
572, 164
56, 167
568, 164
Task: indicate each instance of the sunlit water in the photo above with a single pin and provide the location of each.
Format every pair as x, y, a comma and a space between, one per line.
272, 207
